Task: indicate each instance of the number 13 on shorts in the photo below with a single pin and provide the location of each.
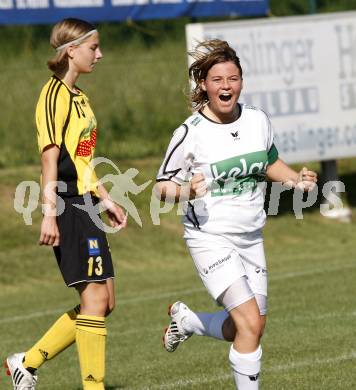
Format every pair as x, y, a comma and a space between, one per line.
95, 266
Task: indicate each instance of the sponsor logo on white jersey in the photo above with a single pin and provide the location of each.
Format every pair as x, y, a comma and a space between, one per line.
239, 174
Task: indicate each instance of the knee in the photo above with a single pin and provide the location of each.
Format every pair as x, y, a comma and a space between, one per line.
103, 301
96, 304
254, 327
249, 327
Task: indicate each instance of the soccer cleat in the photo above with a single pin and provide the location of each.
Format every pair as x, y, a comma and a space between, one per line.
175, 333
21, 378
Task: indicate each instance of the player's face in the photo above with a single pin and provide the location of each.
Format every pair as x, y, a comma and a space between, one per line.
87, 54
223, 86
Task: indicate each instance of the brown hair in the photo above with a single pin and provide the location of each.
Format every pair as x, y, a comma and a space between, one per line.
63, 32
206, 55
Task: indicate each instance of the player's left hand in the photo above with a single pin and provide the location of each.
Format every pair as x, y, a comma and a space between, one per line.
116, 215
306, 180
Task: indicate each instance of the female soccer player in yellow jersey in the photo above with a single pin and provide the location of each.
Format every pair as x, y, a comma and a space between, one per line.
217, 162
67, 131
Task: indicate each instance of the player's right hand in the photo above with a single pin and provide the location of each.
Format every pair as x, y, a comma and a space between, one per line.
198, 186
49, 234
116, 215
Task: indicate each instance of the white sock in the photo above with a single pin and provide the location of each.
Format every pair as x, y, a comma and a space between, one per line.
206, 324
246, 368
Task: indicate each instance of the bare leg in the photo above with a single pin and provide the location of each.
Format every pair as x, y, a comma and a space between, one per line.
245, 353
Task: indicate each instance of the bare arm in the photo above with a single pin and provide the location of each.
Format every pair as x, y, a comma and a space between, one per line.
279, 171
172, 192
115, 213
49, 234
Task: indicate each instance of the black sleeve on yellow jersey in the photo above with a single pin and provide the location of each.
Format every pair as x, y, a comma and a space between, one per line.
52, 113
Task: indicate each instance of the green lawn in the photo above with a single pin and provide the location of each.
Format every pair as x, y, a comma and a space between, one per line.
310, 337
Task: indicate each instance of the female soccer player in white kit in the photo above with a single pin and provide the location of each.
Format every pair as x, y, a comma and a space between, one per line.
217, 163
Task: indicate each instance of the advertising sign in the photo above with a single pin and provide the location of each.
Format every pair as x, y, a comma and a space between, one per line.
51, 11
302, 72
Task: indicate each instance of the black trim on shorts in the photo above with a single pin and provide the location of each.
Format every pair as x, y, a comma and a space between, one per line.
89, 281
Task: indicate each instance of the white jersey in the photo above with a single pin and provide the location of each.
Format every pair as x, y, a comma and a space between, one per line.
233, 158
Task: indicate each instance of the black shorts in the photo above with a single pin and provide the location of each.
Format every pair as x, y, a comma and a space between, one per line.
83, 254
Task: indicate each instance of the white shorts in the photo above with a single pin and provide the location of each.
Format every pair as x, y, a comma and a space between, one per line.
221, 259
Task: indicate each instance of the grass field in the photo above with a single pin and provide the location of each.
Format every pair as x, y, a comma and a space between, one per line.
310, 338
309, 342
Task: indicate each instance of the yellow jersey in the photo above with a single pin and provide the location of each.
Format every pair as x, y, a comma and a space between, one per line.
65, 119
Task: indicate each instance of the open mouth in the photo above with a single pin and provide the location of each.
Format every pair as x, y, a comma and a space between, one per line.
225, 97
